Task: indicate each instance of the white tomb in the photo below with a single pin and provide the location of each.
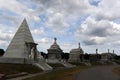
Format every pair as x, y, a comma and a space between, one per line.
23, 50
22, 44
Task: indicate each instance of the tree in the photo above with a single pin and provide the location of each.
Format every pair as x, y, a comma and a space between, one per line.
99, 57
62, 55
86, 56
2, 52
66, 56
81, 57
117, 57
44, 55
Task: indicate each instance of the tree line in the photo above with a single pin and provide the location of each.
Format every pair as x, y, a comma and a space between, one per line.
2, 52
64, 56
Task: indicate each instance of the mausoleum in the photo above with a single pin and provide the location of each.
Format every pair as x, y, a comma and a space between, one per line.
22, 44
75, 54
54, 52
23, 50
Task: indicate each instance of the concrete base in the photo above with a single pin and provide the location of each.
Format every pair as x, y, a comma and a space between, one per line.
40, 63
52, 61
15, 60
67, 65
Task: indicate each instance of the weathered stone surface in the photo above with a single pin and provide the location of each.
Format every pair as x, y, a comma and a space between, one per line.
14, 60
17, 48
23, 50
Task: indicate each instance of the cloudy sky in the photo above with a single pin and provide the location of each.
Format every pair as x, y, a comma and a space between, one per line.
93, 23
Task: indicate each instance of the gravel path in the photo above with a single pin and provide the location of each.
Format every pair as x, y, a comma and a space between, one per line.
98, 73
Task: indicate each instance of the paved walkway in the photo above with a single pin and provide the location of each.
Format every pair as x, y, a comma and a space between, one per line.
98, 73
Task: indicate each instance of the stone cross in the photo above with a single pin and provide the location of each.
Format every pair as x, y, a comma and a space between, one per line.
79, 45
108, 50
96, 51
55, 39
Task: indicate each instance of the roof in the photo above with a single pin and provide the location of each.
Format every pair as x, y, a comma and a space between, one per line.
55, 45
77, 50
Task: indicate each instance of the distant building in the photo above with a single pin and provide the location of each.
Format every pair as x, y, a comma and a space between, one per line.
94, 57
108, 56
54, 52
75, 54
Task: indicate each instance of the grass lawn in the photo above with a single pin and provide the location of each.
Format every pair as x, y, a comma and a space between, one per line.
66, 74
117, 70
17, 68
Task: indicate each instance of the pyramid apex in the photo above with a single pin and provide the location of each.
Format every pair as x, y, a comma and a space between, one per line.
24, 21
23, 25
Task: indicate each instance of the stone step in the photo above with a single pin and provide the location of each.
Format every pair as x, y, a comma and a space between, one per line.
43, 66
66, 64
87, 63
16, 75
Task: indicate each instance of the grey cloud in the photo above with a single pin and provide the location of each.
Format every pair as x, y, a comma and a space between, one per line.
93, 42
93, 32
100, 32
48, 3
104, 16
101, 28
5, 37
89, 42
66, 7
14, 20
107, 10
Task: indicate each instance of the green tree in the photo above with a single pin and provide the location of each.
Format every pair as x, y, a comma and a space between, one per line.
66, 56
86, 56
2, 52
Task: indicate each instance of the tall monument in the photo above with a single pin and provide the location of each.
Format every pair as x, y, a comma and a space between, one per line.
23, 50
22, 44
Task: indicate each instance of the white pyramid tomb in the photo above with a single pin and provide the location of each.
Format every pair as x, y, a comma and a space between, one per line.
17, 48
